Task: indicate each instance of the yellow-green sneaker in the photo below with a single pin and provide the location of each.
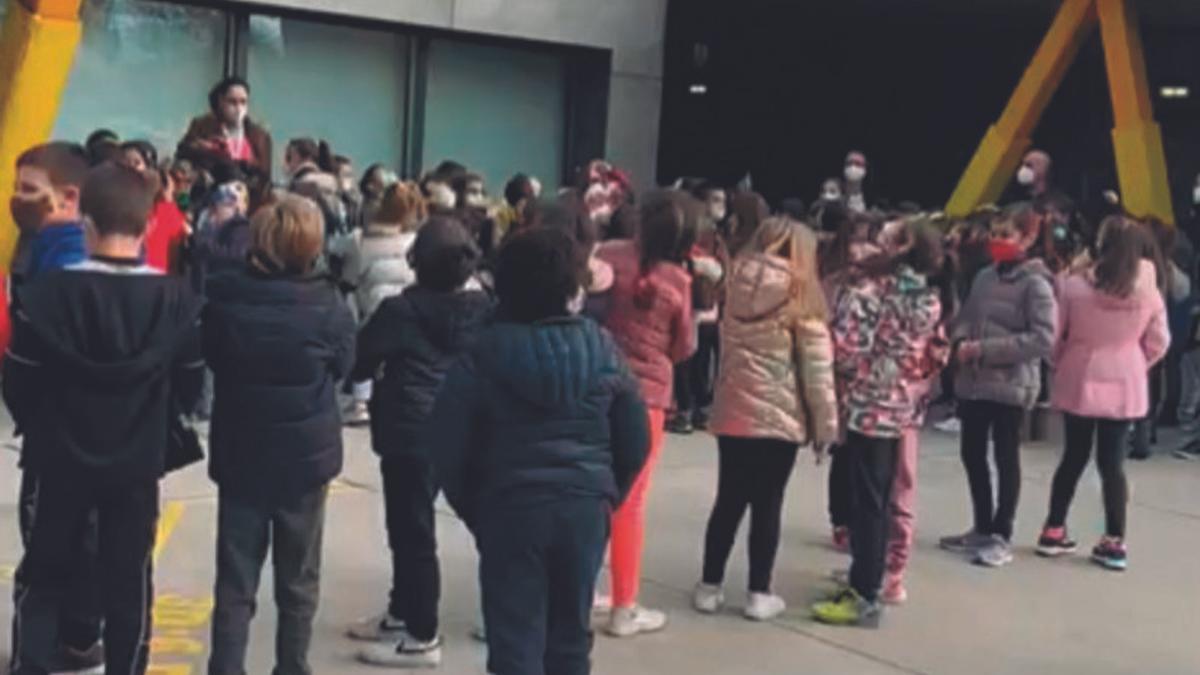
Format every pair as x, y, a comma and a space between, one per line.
848, 608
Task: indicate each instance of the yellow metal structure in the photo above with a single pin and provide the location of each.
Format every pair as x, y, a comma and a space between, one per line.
37, 47
1137, 139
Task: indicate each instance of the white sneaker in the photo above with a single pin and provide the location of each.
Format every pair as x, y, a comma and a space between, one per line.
950, 425
357, 415
407, 652
379, 628
764, 607
708, 599
630, 621
997, 554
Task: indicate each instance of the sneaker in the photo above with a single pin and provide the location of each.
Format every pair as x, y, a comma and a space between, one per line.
1111, 554
841, 539
1191, 451
708, 599
630, 621
1055, 543
379, 628
700, 420
998, 553
680, 424
950, 425
88, 661
965, 543
764, 607
407, 652
893, 592
848, 609
357, 415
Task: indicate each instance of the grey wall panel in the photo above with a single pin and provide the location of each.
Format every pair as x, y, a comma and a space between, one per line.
635, 104
435, 13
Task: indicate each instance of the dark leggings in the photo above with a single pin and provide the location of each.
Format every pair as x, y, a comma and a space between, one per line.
841, 485
1003, 423
1109, 436
694, 377
753, 474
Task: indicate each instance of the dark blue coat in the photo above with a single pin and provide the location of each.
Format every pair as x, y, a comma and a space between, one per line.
535, 413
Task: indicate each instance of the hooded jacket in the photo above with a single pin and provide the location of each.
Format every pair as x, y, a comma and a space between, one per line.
103, 354
1105, 345
376, 265
776, 376
407, 346
277, 346
1011, 312
536, 413
56, 247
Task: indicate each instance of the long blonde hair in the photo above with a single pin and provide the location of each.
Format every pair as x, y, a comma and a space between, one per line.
790, 239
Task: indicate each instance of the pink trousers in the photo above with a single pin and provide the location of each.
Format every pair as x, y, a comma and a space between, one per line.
629, 524
904, 504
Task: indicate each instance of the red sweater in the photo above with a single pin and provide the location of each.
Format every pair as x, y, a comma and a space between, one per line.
165, 232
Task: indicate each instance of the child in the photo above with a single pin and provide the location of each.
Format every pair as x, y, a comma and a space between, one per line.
1189, 398
101, 352
888, 343
412, 340
538, 434
279, 338
1005, 330
1112, 330
45, 207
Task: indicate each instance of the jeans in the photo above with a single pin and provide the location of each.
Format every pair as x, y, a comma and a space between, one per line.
1003, 423
126, 517
537, 570
873, 472
753, 475
1109, 438
244, 533
408, 494
1189, 396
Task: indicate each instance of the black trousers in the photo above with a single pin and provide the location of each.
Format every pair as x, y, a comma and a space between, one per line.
841, 486
694, 377
1143, 433
245, 531
1108, 437
1003, 423
753, 475
409, 492
537, 570
873, 471
126, 516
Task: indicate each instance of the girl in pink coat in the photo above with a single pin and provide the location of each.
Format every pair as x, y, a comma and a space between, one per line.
1112, 328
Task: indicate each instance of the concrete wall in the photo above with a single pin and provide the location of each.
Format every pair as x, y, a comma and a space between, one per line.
633, 29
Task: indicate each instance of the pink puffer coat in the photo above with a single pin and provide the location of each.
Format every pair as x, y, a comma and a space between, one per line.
776, 378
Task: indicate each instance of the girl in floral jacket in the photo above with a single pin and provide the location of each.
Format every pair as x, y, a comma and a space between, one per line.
889, 341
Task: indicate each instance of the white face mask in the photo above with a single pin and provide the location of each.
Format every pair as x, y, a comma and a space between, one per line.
476, 200
1196, 195
831, 196
1026, 176
855, 173
441, 196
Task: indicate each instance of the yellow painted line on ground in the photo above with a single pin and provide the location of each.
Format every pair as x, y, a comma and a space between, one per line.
171, 515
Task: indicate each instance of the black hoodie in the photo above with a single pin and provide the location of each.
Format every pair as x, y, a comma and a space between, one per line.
408, 345
101, 357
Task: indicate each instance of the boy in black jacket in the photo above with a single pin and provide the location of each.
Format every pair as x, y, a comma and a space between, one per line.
408, 345
99, 350
538, 434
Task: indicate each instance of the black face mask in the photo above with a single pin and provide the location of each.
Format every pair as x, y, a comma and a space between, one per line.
29, 214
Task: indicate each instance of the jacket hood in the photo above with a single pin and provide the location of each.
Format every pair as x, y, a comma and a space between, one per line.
552, 364
1025, 268
760, 285
450, 320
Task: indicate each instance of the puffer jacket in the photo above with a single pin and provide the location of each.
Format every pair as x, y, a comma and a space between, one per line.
1011, 312
536, 413
888, 343
776, 376
650, 317
376, 265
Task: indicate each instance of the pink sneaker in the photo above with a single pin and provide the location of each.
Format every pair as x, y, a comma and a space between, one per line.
841, 539
894, 592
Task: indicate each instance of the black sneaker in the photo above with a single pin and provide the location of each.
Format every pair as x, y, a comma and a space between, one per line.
1054, 544
680, 424
700, 420
1190, 451
1110, 554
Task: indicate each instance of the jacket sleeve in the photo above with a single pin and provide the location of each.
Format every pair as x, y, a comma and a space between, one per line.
683, 332
376, 341
1036, 341
814, 354
453, 430
24, 371
1157, 337
852, 331
630, 434
187, 373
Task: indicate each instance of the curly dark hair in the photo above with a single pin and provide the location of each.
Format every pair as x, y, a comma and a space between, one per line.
539, 272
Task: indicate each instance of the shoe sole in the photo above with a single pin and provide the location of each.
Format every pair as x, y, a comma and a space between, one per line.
762, 619
1110, 565
1047, 552
872, 622
993, 564
410, 665
373, 639
636, 632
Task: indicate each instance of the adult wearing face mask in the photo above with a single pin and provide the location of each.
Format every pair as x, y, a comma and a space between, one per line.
856, 174
1034, 174
226, 134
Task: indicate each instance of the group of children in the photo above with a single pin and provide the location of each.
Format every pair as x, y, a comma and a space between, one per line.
531, 385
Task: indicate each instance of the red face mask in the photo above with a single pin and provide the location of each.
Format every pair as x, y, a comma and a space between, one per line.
1004, 250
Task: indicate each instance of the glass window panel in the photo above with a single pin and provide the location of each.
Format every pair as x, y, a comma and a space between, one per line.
499, 110
143, 70
344, 85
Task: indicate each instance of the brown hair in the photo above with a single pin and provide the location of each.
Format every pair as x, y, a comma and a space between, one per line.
65, 163
747, 210
118, 199
668, 227
402, 203
1122, 246
791, 239
288, 236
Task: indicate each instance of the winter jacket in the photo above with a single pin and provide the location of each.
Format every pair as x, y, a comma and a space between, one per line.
277, 346
776, 375
56, 247
208, 127
888, 342
376, 266
219, 248
1105, 346
535, 413
1012, 314
102, 355
650, 316
407, 347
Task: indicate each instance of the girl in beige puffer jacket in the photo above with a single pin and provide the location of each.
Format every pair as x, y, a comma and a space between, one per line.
774, 393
